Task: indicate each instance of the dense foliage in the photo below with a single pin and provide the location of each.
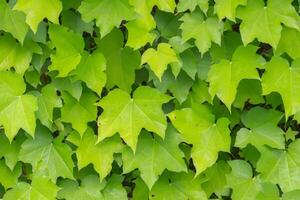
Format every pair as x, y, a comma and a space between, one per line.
149, 99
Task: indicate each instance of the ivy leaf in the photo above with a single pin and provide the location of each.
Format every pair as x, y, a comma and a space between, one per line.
227, 8
40, 188
12, 21
91, 189
249, 90
48, 156
91, 71
197, 126
281, 166
120, 62
175, 186
282, 78
293, 195
289, 38
215, 178
8, 177
12, 54
47, 101
85, 106
203, 31
247, 187
10, 150
161, 155
159, 59
100, 155
69, 46
108, 13
266, 30
191, 5
16, 110
263, 129
242, 66
37, 10
128, 116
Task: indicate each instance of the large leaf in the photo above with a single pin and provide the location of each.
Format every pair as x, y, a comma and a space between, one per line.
128, 116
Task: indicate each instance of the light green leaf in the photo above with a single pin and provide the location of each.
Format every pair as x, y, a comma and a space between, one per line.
191, 5
85, 107
197, 126
8, 177
69, 46
12, 54
16, 110
120, 62
48, 156
247, 187
263, 129
225, 76
128, 116
173, 186
12, 21
282, 78
47, 101
108, 13
91, 189
264, 22
40, 188
159, 59
281, 167
100, 155
227, 8
203, 31
289, 42
153, 155
37, 10
91, 71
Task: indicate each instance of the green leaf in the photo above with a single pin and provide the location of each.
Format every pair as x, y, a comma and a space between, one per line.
12, 54
91, 189
16, 109
85, 106
248, 91
12, 21
8, 177
40, 188
120, 62
10, 150
175, 186
47, 101
282, 78
161, 155
191, 5
100, 155
264, 22
293, 195
242, 66
69, 46
48, 156
128, 116
91, 71
159, 59
247, 187
227, 8
108, 13
203, 31
289, 38
37, 10
215, 178
281, 166
263, 129
197, 126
